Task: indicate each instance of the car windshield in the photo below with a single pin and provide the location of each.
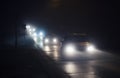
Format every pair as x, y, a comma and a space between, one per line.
77, 38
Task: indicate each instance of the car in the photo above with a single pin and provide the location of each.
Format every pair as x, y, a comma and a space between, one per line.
51, 41
77, 42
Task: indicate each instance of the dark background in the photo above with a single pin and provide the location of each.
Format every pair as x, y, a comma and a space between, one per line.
98, 18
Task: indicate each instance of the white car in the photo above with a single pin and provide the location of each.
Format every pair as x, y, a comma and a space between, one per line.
77, 42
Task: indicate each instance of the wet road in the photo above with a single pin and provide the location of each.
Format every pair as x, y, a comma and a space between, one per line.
97, 64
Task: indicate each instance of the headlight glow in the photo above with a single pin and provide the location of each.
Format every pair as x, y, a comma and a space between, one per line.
41, 37
28, 27
33, 29
35, 39
91, 48
69, 49
46, 40
41, 33
34, 34
55, 40
29, 30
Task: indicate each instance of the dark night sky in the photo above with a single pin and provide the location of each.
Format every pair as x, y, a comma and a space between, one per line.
98, 18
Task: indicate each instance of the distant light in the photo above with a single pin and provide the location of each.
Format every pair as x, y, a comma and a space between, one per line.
34, 34
55, 40
29, 30
33, 29
46, 40
41, 33
41, 37
27, 26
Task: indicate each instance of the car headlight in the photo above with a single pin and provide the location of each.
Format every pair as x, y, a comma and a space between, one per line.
55, 40
27, 26
69, 49
46, 40
91, 48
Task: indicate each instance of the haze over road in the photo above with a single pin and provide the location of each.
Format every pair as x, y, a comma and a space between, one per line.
98, 64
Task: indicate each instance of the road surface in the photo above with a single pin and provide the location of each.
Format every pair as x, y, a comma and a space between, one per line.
97, 64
